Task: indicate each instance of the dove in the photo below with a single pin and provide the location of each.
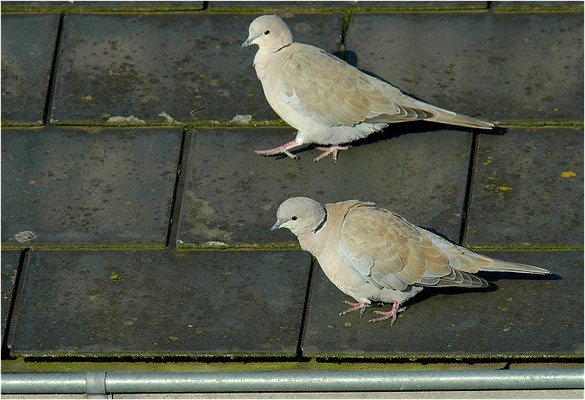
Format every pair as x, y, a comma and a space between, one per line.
377, 256
328, 101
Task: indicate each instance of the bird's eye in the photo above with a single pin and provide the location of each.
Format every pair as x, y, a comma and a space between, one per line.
294, 218
266, 32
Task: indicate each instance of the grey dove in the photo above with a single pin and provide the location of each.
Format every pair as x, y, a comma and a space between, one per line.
327, 100
376, 256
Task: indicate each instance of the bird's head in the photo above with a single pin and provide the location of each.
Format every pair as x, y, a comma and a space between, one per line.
300, 215
269, 32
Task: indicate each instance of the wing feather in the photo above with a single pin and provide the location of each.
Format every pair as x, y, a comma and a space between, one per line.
390, 252
334, 93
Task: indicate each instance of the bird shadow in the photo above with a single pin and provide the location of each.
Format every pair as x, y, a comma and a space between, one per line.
490, 277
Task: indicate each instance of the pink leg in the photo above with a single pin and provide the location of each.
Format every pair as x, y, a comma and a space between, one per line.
354, 307
284, 149
329, 150
392, 314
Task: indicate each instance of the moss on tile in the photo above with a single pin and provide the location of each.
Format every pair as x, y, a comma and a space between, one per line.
99, 246
238, 246
7, 124
541, 124
20, 365
533, 247
174, 123
89, 9
540, 9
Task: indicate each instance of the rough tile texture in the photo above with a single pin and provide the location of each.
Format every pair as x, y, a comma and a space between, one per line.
103, 5
534, 316
10, 261
72, 186
28, 44
506, 66
187, 65
528, 189
234, 198
146, 303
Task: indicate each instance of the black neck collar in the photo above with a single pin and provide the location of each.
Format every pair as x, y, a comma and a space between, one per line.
286, 45
322, 222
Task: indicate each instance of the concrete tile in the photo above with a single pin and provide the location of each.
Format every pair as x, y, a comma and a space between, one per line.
28, 44
10, 260
518, 316
156, 303
87, 187
528, 189
232, 194
102, 5
187, 65
507, 66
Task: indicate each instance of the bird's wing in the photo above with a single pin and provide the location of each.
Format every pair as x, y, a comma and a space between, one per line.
334, 93
390, 252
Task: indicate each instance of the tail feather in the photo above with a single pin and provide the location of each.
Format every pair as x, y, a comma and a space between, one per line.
506, 266
452, 118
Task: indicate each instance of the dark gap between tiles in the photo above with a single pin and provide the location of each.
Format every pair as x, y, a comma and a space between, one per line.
12, 313
53, 74
177, 202
300, 356
5, 350
468, 185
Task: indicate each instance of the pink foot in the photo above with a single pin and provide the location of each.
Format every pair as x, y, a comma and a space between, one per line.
284, 149
392, 314
329, 150
354, 307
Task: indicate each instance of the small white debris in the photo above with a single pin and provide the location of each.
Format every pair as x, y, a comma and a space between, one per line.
216, 244
167, 117
242, 119
25, 237
125, 120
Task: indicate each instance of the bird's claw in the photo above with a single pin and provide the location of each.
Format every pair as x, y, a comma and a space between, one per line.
333, 150
354, 307
391, 315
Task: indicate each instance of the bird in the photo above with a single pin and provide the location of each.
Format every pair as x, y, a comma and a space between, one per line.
328, 101
378, 257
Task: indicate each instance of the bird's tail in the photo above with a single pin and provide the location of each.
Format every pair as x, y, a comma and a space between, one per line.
506, 266
449, 117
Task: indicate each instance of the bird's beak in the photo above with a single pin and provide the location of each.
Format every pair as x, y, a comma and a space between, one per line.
275, 226
247, 42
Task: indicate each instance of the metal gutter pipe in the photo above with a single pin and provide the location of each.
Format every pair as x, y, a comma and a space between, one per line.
302, 381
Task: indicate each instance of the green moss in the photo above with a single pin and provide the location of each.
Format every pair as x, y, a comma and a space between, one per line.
239, 246
130, 246
541, 124
534, 247
190, 124
543, 9
20, 365
297, 9
8, 124
67, 9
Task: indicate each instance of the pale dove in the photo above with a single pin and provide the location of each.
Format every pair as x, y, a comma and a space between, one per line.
327, 100
376, 256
